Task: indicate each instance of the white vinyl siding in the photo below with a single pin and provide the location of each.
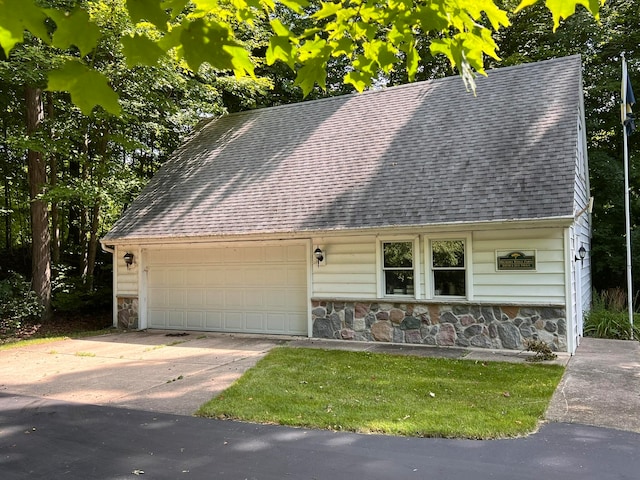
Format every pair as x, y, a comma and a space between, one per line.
349, 270
545, 285
251, 289
126, 278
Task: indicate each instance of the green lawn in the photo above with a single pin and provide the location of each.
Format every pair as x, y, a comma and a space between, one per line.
391, 394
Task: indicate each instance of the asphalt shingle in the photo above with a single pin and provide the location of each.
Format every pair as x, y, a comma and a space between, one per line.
419, 154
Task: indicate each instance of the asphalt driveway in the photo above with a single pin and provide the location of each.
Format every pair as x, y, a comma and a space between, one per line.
152, 371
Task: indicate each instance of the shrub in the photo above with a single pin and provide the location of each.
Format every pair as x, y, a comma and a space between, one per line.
18, 305
609, 317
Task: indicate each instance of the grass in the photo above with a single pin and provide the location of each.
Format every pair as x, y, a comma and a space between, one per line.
398, 395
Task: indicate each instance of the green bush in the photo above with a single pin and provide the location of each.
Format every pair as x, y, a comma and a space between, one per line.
609, 317
18, 305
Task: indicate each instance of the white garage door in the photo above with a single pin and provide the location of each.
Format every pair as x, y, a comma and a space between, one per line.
252, 289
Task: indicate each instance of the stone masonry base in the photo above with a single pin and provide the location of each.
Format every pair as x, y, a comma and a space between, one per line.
128, 313
483, 326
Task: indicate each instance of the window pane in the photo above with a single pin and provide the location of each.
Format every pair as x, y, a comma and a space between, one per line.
398, 254
398, 282
449, 282
448, 253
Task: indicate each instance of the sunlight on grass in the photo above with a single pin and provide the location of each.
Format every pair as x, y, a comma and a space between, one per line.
399, 395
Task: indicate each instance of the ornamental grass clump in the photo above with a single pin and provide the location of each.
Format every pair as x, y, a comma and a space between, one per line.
609, 318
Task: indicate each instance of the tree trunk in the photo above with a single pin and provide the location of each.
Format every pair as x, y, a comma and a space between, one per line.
41, 240
53, 179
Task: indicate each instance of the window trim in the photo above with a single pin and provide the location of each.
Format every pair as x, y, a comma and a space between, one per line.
429, 280
417, 264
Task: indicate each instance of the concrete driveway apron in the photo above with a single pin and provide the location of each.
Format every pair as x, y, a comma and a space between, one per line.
149, 371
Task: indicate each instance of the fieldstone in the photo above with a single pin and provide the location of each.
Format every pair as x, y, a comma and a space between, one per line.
562, 326
539, 324
338, 306
447, 335
322, 328
396, 315
319, 312
420, 309
363, 337
550, 326
329, 307
412, 336
509, 335
510, 311
448, 317
398, 335
434, 314
370, 319
359, 325
361, 310
480, 341
467, 320
410, 323
473, 330
429, 340
462, 342
348, 317
526, 331
347, 334
493, 330
409, 309
490, 314
382, 315
336, 322
374, 307
385, 307
382, 331
548, 313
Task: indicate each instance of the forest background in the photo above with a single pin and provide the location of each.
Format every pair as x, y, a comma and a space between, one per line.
92, 162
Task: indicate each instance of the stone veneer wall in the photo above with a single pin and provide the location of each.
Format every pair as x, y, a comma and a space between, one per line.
463, 325
128, 313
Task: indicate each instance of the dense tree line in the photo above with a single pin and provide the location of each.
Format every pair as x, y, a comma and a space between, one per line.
68, 175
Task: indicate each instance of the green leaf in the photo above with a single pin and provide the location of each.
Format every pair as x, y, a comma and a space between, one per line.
313, 71
360, 80
562, 9
148, 10
207, 41
140, 50
327, 9
75, 28
280, 48
16, 16
295, 5
88, 87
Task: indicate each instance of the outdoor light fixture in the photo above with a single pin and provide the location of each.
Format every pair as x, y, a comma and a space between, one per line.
128, 259
319, 255
581, 254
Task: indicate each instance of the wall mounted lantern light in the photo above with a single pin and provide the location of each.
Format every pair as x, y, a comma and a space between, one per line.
128, 259
319, 254
582, 252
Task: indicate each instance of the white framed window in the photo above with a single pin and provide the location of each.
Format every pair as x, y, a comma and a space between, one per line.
448, 265
398, 262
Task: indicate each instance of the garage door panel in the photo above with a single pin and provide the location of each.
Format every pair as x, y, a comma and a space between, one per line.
258, 289
233, 321
213, 320
175, 319
195, 320
156, 319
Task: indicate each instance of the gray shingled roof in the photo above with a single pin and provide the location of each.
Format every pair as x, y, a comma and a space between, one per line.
419, 154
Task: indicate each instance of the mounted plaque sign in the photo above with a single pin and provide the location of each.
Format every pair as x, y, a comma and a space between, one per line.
516, 261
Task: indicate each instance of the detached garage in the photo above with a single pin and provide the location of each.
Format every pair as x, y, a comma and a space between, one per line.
412, 214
